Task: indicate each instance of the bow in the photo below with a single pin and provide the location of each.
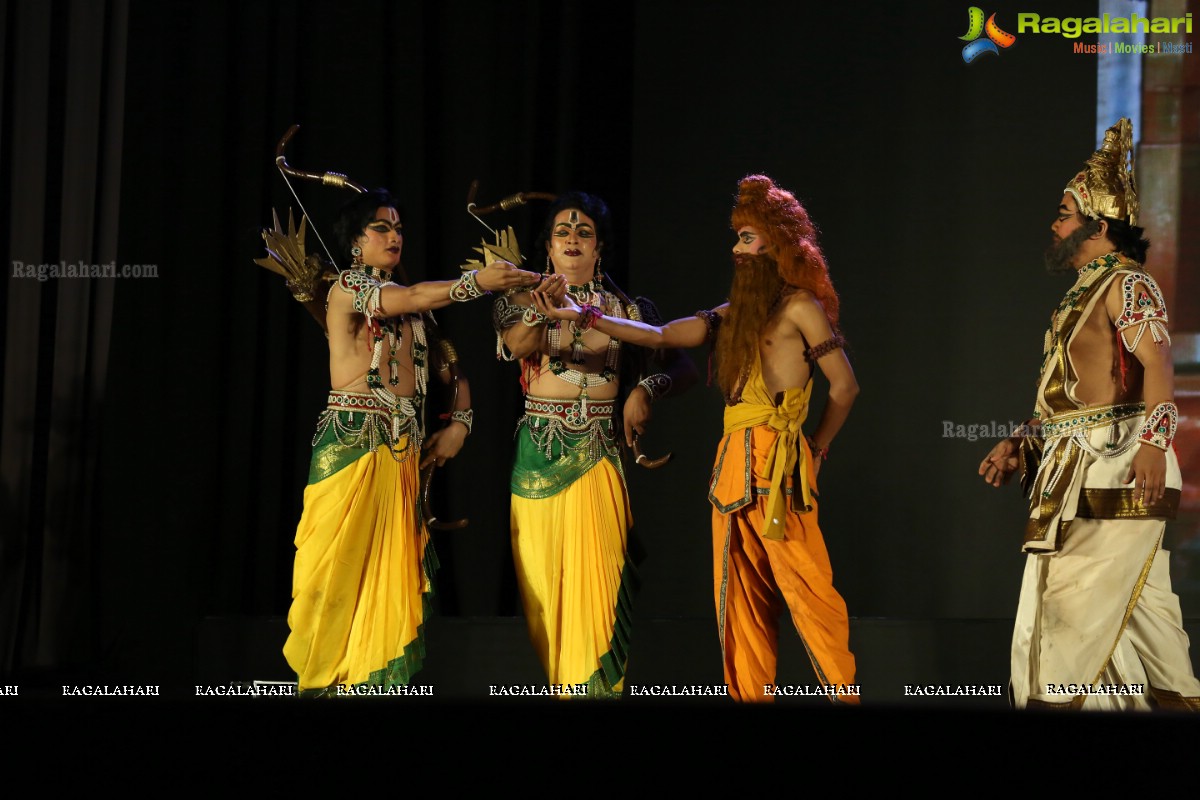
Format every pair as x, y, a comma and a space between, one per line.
520, 199
286, 256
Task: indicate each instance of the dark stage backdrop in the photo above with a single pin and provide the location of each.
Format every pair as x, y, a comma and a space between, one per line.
934, 183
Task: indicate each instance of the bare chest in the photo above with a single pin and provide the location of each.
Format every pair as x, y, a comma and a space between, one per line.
781, 349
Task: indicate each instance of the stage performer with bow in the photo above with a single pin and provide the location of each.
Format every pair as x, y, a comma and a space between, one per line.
364, 564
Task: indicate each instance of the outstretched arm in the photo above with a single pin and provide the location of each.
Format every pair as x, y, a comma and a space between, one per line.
686, 332
396, 300
525, 337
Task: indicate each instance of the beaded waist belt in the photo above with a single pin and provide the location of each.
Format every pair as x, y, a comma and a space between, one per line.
368, 403
1087, 418
575, 414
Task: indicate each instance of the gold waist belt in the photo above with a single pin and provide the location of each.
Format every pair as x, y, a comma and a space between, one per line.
1087, 418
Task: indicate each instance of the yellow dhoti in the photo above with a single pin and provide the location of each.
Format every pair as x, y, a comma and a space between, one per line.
570, 518
364, 566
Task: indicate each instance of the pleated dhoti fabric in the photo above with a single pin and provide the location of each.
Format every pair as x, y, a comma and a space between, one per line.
363, 576
570, 555
752, 571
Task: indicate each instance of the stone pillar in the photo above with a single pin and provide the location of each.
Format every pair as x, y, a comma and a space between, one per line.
1168, 176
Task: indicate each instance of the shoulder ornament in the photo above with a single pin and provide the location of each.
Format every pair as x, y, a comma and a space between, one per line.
1142, 308
364, 288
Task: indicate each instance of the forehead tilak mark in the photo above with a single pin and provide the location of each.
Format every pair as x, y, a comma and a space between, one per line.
574, 217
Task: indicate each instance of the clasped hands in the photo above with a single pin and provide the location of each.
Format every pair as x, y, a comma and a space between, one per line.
503, 275
550, 297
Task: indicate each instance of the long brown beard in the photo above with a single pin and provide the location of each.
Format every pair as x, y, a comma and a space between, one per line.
1060, 256
755, 291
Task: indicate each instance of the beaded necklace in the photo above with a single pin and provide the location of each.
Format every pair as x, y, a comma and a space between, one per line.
585, 295
1088, 276
366, 281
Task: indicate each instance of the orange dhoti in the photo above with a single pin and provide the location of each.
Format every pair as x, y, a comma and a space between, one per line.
766, 542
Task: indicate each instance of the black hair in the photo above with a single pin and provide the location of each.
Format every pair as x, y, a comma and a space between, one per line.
1128, 239
355, 215
589, 204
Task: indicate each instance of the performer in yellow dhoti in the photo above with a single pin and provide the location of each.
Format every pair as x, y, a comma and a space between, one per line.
364, 563
570, 520
781, 301
1098, 626
570, 515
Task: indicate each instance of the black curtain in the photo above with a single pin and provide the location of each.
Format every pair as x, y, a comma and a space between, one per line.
156, 430
172, 495
63, 112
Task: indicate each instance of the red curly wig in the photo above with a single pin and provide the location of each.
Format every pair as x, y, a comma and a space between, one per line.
791, 236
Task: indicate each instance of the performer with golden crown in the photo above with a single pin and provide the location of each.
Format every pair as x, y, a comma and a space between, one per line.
780, 323
1097, 621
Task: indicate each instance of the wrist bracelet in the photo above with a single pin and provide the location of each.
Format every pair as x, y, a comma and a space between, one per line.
588, 316
466, 417
818, 452
532, 317
656, 385
1159, 427
467, 288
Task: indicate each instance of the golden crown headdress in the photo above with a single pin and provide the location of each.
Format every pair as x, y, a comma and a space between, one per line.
1105, 186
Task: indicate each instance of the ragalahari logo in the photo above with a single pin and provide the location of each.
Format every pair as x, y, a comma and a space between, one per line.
976, 27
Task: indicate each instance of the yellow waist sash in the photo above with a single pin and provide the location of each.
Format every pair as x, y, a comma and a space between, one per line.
787, 419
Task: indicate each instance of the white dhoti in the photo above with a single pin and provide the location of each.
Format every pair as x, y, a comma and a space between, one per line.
1098, 626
